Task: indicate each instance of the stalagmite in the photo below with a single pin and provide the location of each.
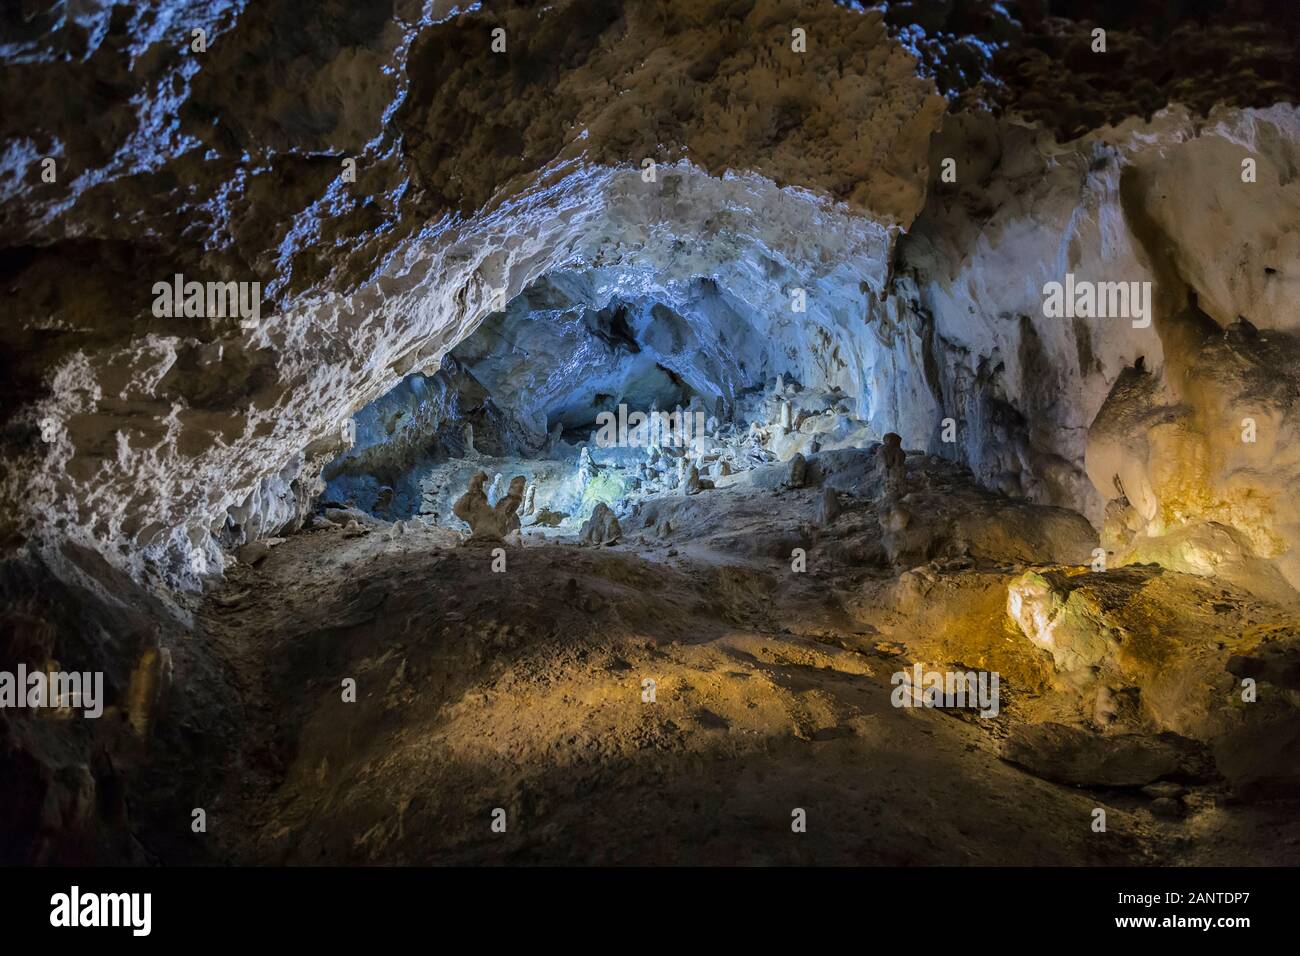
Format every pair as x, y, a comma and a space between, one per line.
601, 528
893, 464
149, 684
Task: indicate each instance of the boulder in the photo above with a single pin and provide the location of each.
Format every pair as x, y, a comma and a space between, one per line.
1277, 664
1073, 756
1067, 620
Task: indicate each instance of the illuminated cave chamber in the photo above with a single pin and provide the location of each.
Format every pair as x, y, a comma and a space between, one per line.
531, 387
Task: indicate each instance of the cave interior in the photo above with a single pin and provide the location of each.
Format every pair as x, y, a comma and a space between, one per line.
653, 425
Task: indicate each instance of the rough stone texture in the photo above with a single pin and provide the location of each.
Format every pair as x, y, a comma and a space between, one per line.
1210, 462
490, 521
601, 528
1052, 408
1277, 664
1072, 756
64, 783
1034, 59
419, 424
828, 508
363, 283
164, 432
1262, 761
795, 473
1070, 622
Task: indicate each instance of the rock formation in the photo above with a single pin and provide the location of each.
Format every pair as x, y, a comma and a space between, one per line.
148, 688
473, 504
601, 528
796, 471
828, 508
490, 523
893, 464
694, 483
270, 304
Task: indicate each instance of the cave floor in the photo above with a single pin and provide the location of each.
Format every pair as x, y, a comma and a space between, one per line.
522, 690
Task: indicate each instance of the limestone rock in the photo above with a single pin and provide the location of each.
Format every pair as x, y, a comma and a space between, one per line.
148, 688
255, 553
1169, 808
601, 528
828, 508
694, 483
1167, 789
796, 473
1261, 760
893, 464
1067, 621
548, 518
1075, 757
488, 523
1276, 663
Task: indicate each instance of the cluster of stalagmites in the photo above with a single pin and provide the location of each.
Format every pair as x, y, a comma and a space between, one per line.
786, 421
682, 453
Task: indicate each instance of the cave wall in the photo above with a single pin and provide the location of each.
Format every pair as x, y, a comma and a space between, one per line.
151, 438
1162, 202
